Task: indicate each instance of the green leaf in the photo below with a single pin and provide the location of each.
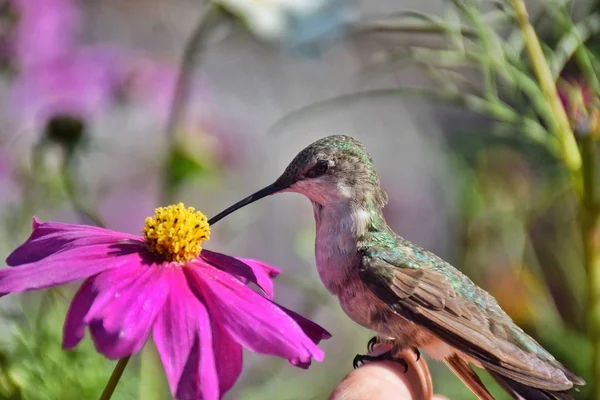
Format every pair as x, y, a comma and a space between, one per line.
183, 165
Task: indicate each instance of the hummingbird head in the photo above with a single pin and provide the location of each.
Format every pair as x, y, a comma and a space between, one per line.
331, 170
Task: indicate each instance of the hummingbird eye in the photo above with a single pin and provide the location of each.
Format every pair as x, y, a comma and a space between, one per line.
319, 169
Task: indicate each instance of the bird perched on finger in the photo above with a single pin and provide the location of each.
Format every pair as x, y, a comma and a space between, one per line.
407, 295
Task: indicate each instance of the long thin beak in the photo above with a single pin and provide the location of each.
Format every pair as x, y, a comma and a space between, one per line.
272, 188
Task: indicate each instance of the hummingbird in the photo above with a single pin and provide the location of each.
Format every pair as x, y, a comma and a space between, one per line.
408, 296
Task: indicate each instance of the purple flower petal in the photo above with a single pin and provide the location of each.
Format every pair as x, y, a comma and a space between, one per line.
184, 339
52, 237
265, 274
74, 327
94, 295
249, 318
121, 323
245, 269
228, 357
60, 253
314, 331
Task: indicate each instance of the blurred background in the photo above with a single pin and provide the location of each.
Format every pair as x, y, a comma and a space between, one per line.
109, 109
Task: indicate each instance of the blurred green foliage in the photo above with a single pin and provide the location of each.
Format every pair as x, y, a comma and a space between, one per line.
35, 367
512, 192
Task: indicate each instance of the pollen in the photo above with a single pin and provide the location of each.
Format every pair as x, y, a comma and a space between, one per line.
176, 233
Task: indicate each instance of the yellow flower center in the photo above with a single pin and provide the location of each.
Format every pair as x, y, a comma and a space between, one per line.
176, 233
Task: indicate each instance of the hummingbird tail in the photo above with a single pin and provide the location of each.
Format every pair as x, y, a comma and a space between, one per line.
463, 370
528, 392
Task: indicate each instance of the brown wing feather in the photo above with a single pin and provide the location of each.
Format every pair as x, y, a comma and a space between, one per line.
427, 298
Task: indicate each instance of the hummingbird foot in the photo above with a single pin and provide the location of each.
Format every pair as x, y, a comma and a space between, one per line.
362, 359
375, 340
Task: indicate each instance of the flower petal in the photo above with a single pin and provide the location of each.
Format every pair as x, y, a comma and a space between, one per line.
265, 274
314, 331
92, 296
245, 269
69, 265
228, 357
252, 320
74, 327
121, 325
48, 238
184, 339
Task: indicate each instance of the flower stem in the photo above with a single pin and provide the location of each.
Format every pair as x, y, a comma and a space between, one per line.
395, 27
114, 378
571, 155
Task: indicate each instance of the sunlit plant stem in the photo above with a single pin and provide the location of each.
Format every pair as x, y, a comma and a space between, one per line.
562, 127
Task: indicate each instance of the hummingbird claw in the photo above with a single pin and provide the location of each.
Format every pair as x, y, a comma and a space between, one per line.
361, 359
418, 353
371, 343
402, 362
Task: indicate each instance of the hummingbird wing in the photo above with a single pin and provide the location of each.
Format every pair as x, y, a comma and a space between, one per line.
430, 292
521, 391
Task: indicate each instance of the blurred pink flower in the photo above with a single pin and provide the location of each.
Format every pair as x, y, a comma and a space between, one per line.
45, 30
59, 76
56, 76
81, 86
581, 105
198, 307
59, 79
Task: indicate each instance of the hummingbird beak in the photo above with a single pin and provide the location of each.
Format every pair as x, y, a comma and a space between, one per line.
264, 192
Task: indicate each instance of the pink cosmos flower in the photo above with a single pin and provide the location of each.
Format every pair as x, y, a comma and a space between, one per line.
82, 86
46, 30
195, 302
58, 75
